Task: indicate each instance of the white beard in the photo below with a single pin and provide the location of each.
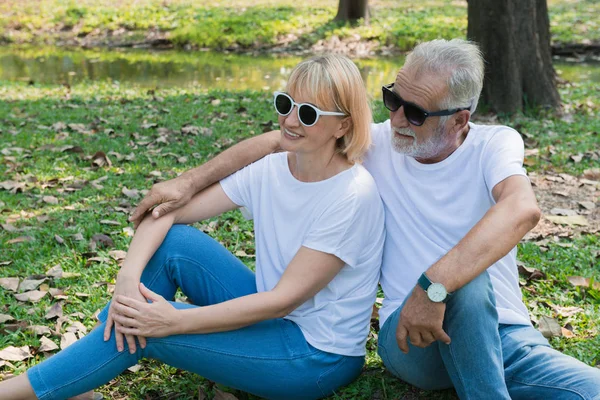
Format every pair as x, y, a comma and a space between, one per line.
428, 149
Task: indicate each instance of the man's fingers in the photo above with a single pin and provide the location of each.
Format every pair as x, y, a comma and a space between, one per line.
146, 203
415, 338
441, 336
142, 341
428, 338
163, 209
401, 334
129, 331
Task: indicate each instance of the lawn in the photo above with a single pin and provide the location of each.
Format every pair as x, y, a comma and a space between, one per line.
75, 160
265, 24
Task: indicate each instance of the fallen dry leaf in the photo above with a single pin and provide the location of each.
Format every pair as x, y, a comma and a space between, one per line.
100, 159
570, 220
59, 240
32, 296
50, 199
530, 273
567, 333
581, 281
55, 272
117, 255
103, 240
9, 228
20, 239
135, 368
109, 222
40, 330
5, 318
67, 339
12, 353
549, 327
221, 395
11, 284
588, 205
30, 284
131, 193
47, 345
55, 311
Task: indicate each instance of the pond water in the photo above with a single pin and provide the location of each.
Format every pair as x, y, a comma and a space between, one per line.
207, 70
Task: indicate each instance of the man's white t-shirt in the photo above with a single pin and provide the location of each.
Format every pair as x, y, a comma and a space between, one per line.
429, 208
343, 216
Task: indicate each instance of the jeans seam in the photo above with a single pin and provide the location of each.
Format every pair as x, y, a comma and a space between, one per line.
211, 350
52, 391
458, 372
198, 263
548, 386
334, 368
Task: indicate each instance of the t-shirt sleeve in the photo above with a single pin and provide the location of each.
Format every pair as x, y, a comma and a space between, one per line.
239, 185
345, 227
503, 157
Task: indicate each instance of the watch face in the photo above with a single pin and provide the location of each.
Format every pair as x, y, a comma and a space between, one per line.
437, 292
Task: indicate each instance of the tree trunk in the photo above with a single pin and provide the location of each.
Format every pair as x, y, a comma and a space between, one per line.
353, 10
514, 36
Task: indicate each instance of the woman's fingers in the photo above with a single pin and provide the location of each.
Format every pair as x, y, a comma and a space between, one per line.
126, 321
119, 337
127, 311
130, 343
108, 327
129, 331
130, 302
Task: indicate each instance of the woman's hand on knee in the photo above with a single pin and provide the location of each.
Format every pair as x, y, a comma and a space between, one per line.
129, 288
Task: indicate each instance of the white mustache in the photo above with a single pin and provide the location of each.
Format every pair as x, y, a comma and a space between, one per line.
405, 132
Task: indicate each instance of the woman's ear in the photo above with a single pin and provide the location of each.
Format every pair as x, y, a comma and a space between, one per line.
345, 126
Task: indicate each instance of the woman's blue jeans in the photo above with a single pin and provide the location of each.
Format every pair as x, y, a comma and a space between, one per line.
270, 359
486, 360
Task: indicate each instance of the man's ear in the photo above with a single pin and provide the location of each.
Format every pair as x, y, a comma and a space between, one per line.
460, 120
345, 127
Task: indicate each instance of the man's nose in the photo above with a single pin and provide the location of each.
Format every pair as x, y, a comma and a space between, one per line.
398, 118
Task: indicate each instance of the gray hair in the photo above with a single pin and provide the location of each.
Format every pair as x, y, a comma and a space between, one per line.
460, 61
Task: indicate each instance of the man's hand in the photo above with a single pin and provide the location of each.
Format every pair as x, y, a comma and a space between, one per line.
167, 196
127, 287
420, 321
140, 318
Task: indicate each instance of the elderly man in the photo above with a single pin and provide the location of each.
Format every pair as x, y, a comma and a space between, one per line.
457, 202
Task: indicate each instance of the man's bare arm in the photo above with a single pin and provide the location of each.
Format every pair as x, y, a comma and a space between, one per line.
515, 213
175, 193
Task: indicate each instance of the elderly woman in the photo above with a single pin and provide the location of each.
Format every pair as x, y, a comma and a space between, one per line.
297, 327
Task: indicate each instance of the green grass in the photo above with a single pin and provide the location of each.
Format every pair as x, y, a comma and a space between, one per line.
222, 24
113, 119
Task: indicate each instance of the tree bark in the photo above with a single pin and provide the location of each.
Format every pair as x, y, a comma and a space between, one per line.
514, 36
353, 10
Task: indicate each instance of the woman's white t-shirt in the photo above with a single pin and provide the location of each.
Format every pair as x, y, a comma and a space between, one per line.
343, 216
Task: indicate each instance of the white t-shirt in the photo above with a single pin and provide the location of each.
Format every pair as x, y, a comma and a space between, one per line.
429, 208
343, 216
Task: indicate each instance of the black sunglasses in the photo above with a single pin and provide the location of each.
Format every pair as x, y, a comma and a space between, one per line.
308, 114
414, 114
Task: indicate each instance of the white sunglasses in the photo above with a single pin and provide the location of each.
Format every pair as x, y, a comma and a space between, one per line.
308, 114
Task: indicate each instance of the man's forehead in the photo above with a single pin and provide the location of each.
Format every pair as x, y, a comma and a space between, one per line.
419, 88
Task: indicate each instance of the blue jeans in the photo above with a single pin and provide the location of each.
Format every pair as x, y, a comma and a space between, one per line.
269, 359
486, 360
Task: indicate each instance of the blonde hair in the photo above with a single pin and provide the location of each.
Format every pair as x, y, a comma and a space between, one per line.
334, 83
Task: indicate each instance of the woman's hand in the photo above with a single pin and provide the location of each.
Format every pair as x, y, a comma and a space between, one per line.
140, 318
125, 287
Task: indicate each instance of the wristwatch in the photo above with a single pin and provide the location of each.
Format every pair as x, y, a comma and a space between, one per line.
435, 291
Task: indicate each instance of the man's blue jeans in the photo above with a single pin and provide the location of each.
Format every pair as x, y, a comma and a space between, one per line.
486, 360
270, 359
